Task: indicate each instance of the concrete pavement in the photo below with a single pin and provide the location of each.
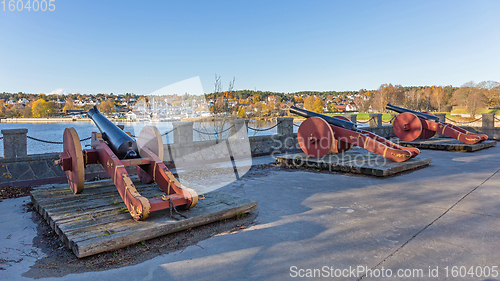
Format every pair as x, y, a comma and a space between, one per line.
445, 215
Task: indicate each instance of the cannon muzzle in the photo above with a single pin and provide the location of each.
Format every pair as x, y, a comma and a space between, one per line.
331, 120
123, 145
418, 114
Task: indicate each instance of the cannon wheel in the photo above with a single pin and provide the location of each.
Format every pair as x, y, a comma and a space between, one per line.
427, 134
315, 137
72, 146
341, 146
407, 126
150, 138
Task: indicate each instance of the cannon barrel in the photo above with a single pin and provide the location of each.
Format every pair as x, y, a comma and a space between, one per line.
331, 120
418, 114
122, 144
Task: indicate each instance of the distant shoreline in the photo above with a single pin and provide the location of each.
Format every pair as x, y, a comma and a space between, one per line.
69, 119
52, 120
41, 120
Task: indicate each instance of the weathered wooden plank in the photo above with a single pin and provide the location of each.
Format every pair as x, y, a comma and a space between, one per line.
67, 195
94, 205
86, 222
111, 227
47, 190
60, 203
212, 203
151, 230
356, 161
61, 218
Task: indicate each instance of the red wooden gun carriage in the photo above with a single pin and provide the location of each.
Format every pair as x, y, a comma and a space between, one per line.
410, 125
320, 134
114, 150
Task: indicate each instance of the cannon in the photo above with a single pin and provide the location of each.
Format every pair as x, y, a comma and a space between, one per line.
320, 134
410, 125
123, 145
114, 150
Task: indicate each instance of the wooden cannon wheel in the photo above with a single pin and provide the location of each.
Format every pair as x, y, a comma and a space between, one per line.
150, 141
150, 138
315, 137
407, 126
72, 146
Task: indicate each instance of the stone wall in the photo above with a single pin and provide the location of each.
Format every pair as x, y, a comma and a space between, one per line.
18, 168
37, 169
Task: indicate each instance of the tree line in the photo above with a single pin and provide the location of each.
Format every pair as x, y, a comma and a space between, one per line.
470, 95
26, 105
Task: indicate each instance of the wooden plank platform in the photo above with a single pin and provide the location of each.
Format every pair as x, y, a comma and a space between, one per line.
447, 144
355, 160
97, 220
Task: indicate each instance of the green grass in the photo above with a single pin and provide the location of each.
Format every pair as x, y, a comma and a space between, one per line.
459, 111
365, 116
239, 216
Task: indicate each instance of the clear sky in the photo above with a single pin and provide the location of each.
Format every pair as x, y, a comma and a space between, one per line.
285, 46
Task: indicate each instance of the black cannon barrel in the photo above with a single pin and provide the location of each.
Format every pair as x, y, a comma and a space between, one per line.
331, 120
418, 114
122, 144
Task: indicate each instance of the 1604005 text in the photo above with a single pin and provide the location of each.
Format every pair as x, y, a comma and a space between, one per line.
28, 5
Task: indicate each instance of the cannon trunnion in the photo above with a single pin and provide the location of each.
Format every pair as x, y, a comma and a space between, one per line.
115, 150
320, 134
410, 125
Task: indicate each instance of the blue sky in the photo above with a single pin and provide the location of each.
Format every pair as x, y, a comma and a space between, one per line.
285, 46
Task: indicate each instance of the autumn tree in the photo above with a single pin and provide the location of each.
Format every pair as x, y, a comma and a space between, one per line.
439, 98
298, 99
470, 96
256, 98
332, 107
266, 110
258, 109
363, 100
107, 106
318, 105
241, 112
26, 111
309, 103
69, 105
220, 108
2, 107
38, 108
273, 105
491, 92
387, 93
41, 108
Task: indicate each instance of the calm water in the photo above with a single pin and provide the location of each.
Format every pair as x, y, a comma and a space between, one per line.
54, 132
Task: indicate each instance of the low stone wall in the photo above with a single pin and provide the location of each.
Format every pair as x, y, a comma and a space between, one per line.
37, 169
18, 168
385, 131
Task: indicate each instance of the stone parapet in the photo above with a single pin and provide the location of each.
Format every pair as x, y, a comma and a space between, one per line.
14, 143
375, 119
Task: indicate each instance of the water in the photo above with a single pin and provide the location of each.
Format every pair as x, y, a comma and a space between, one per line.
54, 132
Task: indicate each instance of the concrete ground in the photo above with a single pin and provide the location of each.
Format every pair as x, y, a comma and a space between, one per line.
437, 222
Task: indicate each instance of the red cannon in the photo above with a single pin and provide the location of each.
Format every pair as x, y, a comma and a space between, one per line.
114, 150
410, 125
321, 134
